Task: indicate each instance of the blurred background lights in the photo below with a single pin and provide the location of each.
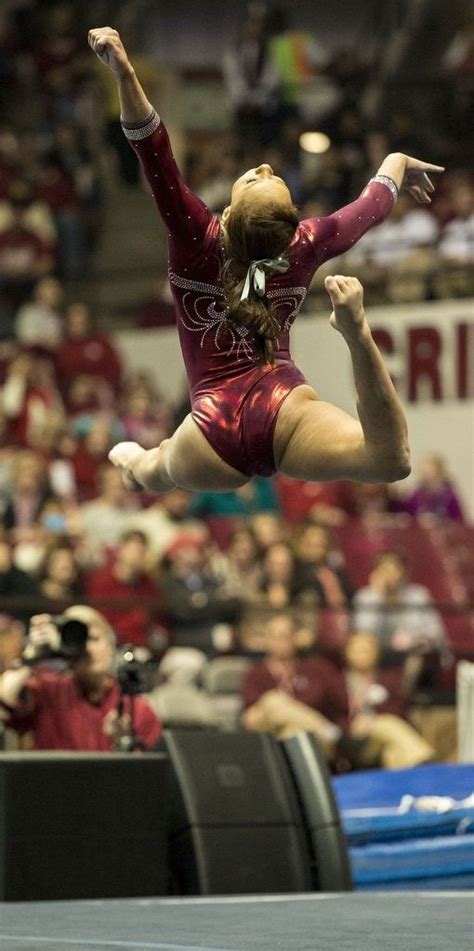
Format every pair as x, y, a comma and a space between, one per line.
315, 142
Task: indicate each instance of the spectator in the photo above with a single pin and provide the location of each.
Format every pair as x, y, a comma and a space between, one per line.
328, 503
322, 567
28, 396
198, 607
457, 240
284, 693
147, 419
77, 709
378, 707
268, 528
400, 614
435, 494
12, 633
88, 456
16, 584
243, 572
166, 519
371, 689
57, 189
85, 352
283, 585
258, 495
105, 519
24, 257
38, 322
59, 575
127, 583
28, 492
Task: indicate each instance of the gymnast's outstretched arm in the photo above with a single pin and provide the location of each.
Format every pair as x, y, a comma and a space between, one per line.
337, 233
184, 215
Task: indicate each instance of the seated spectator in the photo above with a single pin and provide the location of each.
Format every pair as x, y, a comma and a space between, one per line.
285, 694
268, 528
371, 689
166, 519
322, 566
146, 418
283, 584
85, 352
435, 494
243, 572
16, 584
29, 490
12, 635
378, 707
21, 198
127, 584
258, 495
456, 244
38, 322
78, 708
28, 396
104, 519
88, 456
24, 257
58, 519
329, 503
59, 575
179, 698
198, 607
400, 614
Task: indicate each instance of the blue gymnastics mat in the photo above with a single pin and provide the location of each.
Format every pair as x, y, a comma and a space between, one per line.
394, 844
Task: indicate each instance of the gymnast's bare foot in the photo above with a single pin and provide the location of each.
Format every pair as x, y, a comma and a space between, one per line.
347, 298
124, 456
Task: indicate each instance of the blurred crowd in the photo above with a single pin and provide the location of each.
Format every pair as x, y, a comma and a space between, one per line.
250, 604
197, 583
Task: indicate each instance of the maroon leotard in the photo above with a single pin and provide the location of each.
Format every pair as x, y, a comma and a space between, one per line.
234, 401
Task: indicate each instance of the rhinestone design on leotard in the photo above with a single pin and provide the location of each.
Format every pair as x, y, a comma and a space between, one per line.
203, 316
283, 296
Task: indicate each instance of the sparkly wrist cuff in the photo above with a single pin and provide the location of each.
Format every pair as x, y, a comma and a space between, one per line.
141, 130
385, 180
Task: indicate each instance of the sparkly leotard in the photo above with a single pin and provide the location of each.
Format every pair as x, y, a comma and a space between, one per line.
234, 401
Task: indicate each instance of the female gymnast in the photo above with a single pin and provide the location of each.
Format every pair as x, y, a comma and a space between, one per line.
238, 284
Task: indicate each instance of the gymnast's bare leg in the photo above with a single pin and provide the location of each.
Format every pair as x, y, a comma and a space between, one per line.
317, 441
185, 460
314, 440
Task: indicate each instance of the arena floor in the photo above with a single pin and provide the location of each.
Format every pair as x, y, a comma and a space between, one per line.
415, 921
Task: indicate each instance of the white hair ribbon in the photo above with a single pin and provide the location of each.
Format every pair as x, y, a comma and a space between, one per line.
256, 275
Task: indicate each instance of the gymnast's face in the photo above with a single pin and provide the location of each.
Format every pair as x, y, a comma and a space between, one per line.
258, 186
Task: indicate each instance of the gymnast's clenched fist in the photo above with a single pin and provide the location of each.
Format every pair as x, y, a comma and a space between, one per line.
109, 48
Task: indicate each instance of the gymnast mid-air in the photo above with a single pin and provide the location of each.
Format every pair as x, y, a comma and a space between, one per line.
238, 283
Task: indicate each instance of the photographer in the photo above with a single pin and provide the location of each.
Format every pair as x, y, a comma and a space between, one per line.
80, 707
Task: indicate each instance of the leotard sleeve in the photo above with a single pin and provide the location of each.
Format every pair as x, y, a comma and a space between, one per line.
184, 215
334, 234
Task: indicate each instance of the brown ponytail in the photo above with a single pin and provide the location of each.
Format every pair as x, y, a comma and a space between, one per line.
255, 234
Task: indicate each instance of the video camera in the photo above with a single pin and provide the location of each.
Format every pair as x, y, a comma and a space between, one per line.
135, 670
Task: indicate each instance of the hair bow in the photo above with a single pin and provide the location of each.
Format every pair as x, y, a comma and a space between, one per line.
256, 275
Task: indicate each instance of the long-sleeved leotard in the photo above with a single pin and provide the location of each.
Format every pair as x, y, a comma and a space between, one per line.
234, 400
